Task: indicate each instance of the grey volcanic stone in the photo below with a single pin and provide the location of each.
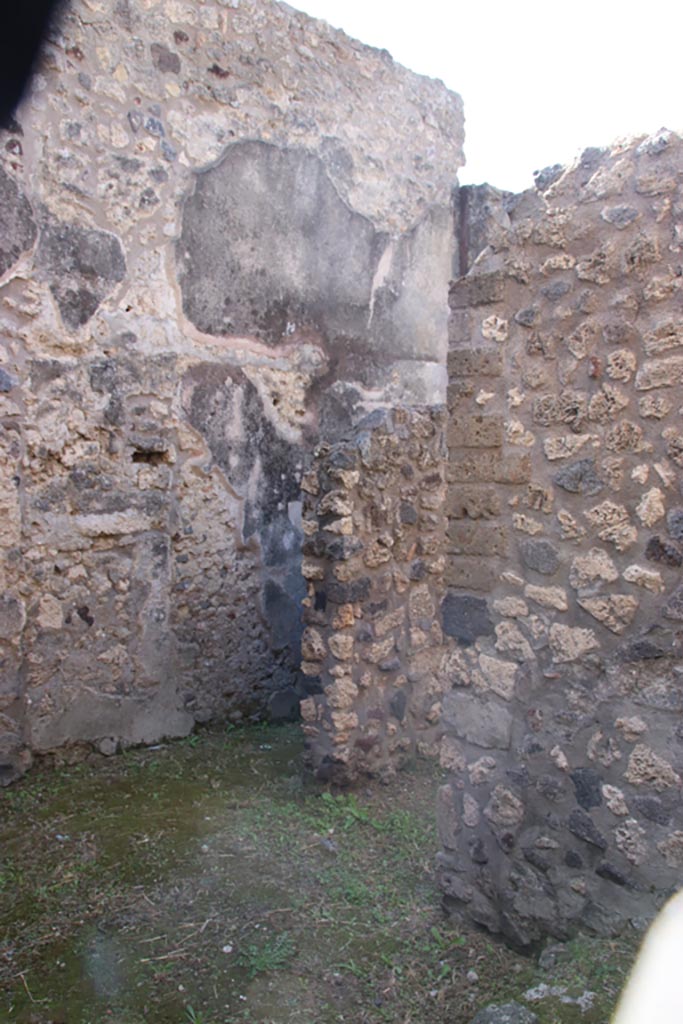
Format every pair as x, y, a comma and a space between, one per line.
652, 808
283, 705
619, 216
655, 642
282, 615
587, 784
17, 227
398, 704
556, 290
540, 555
580, 478
664, 551
674, 522
342, 548
6, 382
82, 266
505, 1013
527, 317
585, 828
611, 873
673, 608
347, 593
487, 724
466, 617
11, 617
546, 177
165, 59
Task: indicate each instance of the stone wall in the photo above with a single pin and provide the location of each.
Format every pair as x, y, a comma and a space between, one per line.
562, 720
223, 250
373, 562
217, 241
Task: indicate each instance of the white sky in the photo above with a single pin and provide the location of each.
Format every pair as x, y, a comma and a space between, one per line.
540, 80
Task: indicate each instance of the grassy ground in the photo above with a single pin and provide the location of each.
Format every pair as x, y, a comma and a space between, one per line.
207, 882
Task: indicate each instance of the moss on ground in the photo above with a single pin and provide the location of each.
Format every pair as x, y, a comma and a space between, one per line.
209, 881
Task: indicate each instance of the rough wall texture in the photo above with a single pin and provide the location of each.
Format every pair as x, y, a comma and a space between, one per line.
373, 561
562, 721
217, 239
220, 244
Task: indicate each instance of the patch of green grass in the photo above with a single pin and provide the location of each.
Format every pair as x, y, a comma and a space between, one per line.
342, 811
219, 842
270, 955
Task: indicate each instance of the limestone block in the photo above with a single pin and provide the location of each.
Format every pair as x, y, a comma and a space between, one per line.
341, 646
313, 647
511, 607
646, 768
547, 597
566, 446
525, 524
570, 644
495, 328
648, 579
481, 771
612, 524
499, 675
671, 849
510, 639
386, 623
632, 727
660, 373
654, 407
335, 503
451, 755
344, 617
470, 811
504, 809
342, 693
621, 364
615, 800
50, 614
614, 611
630, 838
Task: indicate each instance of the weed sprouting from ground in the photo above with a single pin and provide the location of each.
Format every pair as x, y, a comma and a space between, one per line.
269, 955
193, 1016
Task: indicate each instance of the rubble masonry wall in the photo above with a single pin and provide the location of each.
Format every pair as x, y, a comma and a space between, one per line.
562, 726
218, 242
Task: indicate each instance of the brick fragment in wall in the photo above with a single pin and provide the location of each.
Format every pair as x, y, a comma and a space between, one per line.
467, 573
473, 502
488, 465
476, 290
480, 431
475, 538
475, 362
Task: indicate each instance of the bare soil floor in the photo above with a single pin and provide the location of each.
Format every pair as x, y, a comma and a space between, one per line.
209, 881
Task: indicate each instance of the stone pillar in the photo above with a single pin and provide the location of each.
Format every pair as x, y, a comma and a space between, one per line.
373, 562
